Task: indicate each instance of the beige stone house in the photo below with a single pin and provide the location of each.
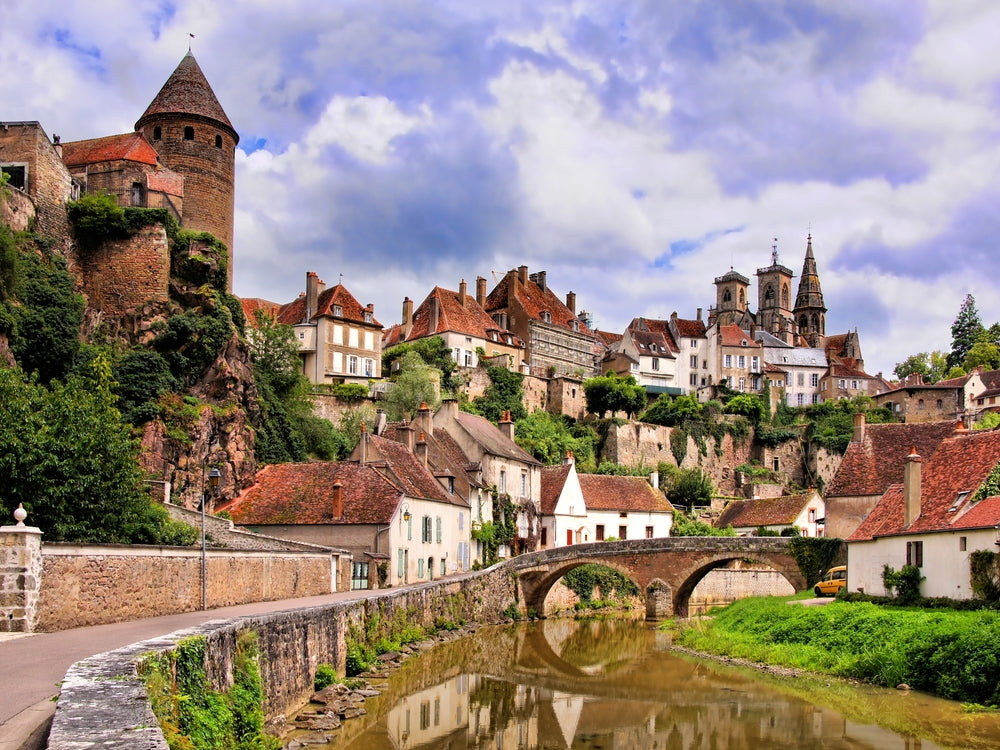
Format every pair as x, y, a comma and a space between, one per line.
339, 340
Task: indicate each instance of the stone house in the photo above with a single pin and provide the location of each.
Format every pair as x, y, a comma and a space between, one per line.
465, 326
935, 519
874, 461
383, 506
557, 340
987, 397
913, 400
500, 464
693, 363
35, 172
802, 367
649, 357
580, 508
739, 359
339, 340
804, 511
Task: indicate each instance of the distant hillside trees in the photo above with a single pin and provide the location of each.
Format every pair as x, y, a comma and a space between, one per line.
611, 393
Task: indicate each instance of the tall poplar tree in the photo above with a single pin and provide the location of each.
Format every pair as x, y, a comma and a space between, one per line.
965, 331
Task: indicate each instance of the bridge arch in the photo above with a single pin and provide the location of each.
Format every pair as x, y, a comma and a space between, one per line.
667, 569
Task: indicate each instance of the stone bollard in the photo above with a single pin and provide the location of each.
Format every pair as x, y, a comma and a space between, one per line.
20, 575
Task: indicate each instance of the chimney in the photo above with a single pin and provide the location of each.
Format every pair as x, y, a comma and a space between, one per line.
571, 301
539, 278
364, 444
911, 488
859, 428
424, 421
407, 316
654, 480
570, 459
57, 145
507, 425
312, 294
338, 499
461, 293
380, 421
404, 434
435, 314
449, 410
421, 451
481, 291
522, 274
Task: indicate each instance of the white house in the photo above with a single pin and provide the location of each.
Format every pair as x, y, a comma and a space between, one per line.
941, 513
579, 508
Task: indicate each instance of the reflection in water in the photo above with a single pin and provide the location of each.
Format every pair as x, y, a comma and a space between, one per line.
614, 684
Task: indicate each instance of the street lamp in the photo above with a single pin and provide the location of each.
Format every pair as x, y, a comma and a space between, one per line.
214, 477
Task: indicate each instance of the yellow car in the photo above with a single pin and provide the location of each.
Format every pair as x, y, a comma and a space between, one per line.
832, 582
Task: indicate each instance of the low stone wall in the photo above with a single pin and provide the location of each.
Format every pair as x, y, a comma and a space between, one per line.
93, 585
726, 585
103, 703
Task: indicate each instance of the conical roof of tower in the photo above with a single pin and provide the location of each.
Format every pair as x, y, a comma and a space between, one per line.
810, 295
187, 92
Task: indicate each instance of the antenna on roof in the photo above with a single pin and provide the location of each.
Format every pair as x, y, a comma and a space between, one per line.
496, 278
774, 252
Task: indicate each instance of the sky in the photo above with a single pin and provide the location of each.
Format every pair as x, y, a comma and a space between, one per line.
633, 150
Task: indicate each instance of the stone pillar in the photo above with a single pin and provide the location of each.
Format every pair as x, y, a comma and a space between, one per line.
659, 600
20, 575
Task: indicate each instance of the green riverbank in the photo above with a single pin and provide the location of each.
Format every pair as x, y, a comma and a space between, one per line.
951, 654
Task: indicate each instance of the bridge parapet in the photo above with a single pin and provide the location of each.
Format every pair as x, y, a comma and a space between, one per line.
666, 569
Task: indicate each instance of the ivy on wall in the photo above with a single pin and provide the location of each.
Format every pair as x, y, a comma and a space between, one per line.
984, 570
815, 555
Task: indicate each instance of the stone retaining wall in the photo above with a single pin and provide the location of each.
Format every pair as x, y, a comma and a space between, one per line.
93, 585
103, 703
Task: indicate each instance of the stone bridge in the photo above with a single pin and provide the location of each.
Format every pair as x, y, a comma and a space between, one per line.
666, 570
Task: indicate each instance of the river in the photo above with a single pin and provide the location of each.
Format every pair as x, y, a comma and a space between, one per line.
610, 684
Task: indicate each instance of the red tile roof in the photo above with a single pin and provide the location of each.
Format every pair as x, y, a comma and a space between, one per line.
776, 511
553, 480
251, 305
350, 309
609, 492
303, 494
870, 466
124, 147
188, 92
690, 329
533, 300
733, 335
654, 343
960, 464
408, 472
469, 319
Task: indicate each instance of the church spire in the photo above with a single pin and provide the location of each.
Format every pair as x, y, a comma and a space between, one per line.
810, 312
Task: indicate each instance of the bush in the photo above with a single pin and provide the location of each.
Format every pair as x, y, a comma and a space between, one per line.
325, 676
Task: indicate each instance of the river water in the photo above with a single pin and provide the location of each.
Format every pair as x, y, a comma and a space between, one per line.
616, 684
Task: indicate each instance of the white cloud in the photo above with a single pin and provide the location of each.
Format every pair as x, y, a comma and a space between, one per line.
363, 126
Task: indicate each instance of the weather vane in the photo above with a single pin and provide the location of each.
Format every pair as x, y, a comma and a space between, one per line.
774, 252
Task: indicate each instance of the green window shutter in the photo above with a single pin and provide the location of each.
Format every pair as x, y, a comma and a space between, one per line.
439, 530
401, 572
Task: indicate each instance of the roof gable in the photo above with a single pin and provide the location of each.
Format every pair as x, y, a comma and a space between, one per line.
468, 318
776, 511
534, 301
489, 438
124, 147
336, 302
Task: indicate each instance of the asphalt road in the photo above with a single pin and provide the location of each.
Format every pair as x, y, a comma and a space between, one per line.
32, 666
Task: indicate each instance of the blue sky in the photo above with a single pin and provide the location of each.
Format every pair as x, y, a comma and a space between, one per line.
634, 150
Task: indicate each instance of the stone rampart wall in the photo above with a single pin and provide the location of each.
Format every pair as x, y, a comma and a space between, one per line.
103, 702
92, 585
121, 275
16, 209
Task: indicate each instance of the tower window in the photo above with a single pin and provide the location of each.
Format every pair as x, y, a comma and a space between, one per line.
157, 133
218, 141
188, 133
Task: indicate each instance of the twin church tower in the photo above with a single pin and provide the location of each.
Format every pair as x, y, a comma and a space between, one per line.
776, 315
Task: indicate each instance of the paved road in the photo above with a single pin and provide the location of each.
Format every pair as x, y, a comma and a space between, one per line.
32, 666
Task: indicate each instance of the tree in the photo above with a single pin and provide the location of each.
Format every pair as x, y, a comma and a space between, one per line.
68, 457
548, 437
749, 406
964, 331
931, 366
433, 351
672, 412
413, 386
612, 393
984, 353
691, 488
504, 393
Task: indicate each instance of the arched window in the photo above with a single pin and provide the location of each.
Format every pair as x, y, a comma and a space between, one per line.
188, 133
769, 292
815, 322
218, 141
803, 323
784, 295
157, 132
742, 298
727, 296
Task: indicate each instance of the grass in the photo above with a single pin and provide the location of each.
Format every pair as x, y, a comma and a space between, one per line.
952, 654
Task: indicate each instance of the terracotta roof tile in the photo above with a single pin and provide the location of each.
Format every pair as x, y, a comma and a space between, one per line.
534, 301
960, 464
654, 343
733, 335
303, 494
124, 147
690, 329
409, 473
776, 511
336, 296
609, 492
469, 319
553, 480
251, 305
869, 467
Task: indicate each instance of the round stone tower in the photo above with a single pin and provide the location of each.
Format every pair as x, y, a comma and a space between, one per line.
190, 131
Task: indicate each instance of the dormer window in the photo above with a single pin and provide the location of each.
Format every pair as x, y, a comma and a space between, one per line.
338, 311
368, 317
546, 316
958, 501
743, 342
576, 324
